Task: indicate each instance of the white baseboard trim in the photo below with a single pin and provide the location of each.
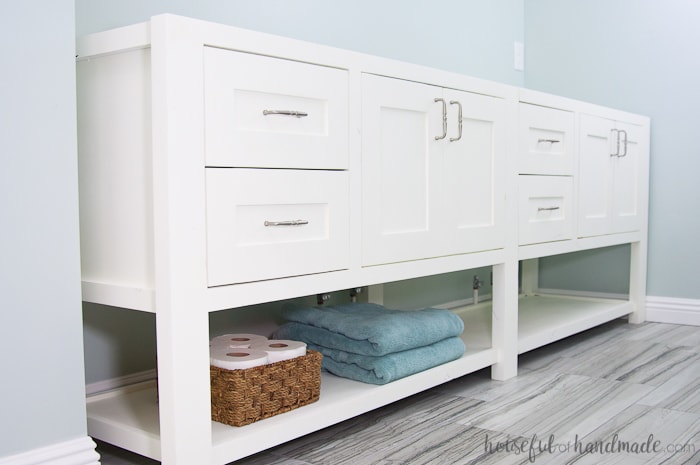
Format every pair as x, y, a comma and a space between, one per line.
118, 382
79, 451
673, 310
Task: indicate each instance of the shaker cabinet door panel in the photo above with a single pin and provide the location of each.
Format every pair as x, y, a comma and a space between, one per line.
400, 120
473, 173
610, 163
626, 180
429, 179
595, 175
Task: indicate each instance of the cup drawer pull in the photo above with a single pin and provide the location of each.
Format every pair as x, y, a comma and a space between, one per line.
296, 114
287, 223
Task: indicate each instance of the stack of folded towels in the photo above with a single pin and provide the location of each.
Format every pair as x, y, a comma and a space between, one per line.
373, 344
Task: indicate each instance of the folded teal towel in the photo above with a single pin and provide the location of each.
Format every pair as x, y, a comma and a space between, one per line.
368, 329
390, 367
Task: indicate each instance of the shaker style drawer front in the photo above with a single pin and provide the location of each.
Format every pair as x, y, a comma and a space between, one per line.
264, 112
546, 140
545, 209
266, 224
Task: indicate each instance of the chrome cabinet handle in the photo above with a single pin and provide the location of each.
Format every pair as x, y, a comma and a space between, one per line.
617, 142
444, 118
296, 114
551, 141
287, 223
459, 120
622, 131
546, 209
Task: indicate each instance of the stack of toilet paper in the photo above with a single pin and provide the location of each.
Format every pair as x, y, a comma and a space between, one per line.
241, 351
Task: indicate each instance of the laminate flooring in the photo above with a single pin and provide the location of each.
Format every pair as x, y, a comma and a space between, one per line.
616, 394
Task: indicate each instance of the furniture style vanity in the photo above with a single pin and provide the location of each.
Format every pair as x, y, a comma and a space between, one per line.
221, 168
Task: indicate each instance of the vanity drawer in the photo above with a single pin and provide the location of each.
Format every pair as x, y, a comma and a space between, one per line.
546, 140
545, 209
266, 224
267, 112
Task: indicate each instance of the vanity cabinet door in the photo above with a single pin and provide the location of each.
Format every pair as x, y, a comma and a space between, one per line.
430, 179
609, 176
401, 170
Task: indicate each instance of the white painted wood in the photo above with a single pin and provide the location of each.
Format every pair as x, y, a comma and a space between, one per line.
220, 297
545, 319
128, 417
610, 179
628, 181
182, 328
375, 294
546, 140
426, 191
638, 250
595, 176
580, 243
116, 201
638, 281
546, 209
401, 170
121, 39
136, 298
474, 175
505, 319
529, 276
80, 451
278, 222
410, 206
240, 134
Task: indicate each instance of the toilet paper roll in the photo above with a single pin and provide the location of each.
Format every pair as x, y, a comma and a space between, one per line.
236, 340
236, 358
281, 349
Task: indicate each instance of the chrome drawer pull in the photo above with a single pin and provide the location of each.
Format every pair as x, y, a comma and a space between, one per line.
551, 141
287, 223
297, 114
444, 118
459, 120
547, 209
622, 131
617, 143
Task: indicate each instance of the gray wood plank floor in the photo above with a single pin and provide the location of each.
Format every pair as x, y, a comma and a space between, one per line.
616, 394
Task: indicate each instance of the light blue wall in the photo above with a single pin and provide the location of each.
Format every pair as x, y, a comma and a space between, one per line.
118, 342
641, 56
472, 37
41, 353
601, 270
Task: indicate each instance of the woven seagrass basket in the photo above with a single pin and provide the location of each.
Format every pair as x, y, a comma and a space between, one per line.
241, 397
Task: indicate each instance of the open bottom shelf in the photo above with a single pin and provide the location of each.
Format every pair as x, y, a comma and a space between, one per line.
128, 417
543, 319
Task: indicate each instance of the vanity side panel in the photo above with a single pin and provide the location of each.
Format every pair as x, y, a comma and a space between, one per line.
115, 166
